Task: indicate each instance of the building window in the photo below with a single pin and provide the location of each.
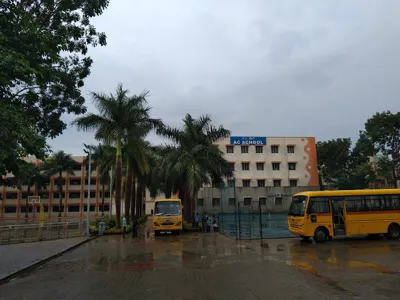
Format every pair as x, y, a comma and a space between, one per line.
231, 166
92, 182
144, 194
259, 149
23, 208
56, 208
200, 202
247, 201
293, 182
245, 166
216, 202
246, 183
261, 182
56, 195
73, 208
44, 195
106, 207
276, 166
262, 201
12, 195
232, 202
77, 167
290, 149
74, 195
231, 183
74, 182
274, 149
292, 166
10, 209
278, 201
260, 166
245, 149
277, 182
56, 180
229, 149
91, 208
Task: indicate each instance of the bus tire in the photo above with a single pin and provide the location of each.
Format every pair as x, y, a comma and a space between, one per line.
320, 235
156, 232
393, 231
177, 232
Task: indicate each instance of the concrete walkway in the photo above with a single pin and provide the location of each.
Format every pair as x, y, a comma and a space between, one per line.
15, 258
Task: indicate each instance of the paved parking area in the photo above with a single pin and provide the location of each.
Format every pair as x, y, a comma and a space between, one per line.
212, 266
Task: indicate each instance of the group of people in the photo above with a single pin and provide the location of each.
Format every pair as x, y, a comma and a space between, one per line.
206, 222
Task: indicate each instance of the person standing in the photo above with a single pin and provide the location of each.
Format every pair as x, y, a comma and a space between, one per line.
124, 224
197, 220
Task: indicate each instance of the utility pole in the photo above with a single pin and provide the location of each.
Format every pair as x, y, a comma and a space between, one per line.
89, 175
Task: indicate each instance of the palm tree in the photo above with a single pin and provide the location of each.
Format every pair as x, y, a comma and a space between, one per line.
118, 115
56, 164
103, 157
193, 160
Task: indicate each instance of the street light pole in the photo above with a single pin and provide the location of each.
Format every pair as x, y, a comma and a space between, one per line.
88, 197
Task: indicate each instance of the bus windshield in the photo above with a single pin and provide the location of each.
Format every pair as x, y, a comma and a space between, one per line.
167, 208
298, 206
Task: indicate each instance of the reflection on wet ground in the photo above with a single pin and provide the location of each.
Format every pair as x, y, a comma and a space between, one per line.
168, 266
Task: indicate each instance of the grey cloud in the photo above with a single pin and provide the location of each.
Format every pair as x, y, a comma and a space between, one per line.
317, 68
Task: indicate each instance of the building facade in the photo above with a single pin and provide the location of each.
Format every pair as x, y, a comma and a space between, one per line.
268, 171
74, 198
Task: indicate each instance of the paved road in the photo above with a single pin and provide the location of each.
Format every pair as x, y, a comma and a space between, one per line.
15, 257
211, 266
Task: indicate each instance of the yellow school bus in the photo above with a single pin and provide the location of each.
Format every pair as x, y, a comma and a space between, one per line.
323, 215
167, 216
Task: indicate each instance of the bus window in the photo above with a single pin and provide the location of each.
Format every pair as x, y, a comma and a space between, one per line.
355, 203
298, 205
318, 205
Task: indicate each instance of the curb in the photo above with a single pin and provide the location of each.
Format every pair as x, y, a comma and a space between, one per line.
34, 266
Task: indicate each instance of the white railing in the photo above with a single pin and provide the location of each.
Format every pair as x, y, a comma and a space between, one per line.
40, 232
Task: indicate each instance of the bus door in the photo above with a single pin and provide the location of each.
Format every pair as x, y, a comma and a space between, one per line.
338, 216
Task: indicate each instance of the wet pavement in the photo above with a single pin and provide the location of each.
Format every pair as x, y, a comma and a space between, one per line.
16, 257
212, 266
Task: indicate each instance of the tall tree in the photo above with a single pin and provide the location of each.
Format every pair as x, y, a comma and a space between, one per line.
118, 115
334, 159
32, 176
103, 158
383, 130
343, 167
43, 50
194, 159
57, 164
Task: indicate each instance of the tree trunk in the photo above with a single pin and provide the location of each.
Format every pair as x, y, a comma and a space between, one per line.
59, 196
183, 195
118, 181
139, 196
103, 188
133, 196
27, 204
128, 185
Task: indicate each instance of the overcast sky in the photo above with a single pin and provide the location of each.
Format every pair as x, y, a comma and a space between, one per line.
259, 67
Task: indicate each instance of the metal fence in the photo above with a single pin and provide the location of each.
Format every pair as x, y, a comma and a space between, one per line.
246, 223
40, 232
248, 213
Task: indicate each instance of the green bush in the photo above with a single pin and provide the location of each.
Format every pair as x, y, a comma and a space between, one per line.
186, 225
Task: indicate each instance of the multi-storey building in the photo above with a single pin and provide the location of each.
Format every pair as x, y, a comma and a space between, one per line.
268, 171
74, 195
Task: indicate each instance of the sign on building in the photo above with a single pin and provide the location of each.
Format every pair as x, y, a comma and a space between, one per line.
248, 140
